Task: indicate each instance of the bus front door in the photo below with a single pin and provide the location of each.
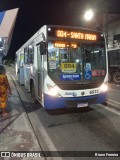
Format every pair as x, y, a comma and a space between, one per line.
40, 73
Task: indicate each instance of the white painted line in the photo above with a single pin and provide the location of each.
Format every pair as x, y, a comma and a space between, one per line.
11, 75
47, 140
110, 109
113, 104
110, 100
113, 110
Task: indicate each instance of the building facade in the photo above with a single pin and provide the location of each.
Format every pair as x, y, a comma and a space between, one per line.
7, 22
111, 27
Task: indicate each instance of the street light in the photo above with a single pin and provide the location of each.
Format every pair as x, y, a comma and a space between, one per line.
88, 15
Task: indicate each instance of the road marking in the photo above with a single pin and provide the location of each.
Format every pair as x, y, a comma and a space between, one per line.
110, 109
113, 110
48, 141
113, 101
11, 75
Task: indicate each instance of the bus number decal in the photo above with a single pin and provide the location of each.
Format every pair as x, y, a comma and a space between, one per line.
94, 92
68, 67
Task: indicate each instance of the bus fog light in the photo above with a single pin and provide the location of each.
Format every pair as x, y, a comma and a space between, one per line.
103, 88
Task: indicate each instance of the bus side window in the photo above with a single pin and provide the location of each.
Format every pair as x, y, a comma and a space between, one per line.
25, 55
31, 54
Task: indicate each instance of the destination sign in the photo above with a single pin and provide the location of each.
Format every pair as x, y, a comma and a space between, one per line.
76, 35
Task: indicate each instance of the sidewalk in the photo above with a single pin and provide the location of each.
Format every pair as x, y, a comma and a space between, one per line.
16, 132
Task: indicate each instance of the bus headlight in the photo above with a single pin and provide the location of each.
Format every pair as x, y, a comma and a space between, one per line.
103, 88
53, 90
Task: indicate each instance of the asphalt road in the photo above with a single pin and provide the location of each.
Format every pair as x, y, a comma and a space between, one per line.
95, 128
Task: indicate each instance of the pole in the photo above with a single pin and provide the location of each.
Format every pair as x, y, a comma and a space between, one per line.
107, 28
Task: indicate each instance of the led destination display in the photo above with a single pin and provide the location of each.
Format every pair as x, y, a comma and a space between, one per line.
76, 35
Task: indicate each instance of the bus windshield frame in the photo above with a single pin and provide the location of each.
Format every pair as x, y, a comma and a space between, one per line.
76, 62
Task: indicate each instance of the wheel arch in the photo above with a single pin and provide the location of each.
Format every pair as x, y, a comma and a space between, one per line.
31, 83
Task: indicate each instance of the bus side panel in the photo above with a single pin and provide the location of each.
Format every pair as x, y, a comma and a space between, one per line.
27, 76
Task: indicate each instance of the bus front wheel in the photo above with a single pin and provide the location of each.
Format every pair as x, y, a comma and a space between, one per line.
116, 77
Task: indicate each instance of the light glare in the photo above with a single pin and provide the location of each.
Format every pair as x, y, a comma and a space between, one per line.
104, 88
88, 15
53, 91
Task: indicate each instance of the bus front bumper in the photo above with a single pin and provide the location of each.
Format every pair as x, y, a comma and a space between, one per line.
51, 102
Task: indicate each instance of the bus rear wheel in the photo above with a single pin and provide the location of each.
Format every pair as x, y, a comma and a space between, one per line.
116, 77
33, 93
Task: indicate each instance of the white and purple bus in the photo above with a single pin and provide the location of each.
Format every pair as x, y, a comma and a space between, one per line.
64, 66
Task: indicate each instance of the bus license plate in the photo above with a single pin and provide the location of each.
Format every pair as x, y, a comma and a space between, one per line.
82, 105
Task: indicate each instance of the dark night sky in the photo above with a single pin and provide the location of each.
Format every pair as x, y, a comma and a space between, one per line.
33, 14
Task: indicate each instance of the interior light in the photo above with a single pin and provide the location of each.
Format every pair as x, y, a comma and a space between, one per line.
77, 60
30, 46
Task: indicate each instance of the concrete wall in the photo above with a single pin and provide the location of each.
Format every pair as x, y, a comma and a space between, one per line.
111, 27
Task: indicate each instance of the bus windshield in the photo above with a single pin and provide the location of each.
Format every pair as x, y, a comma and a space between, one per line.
74, 62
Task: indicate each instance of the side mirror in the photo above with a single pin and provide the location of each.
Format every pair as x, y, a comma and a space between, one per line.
42, 48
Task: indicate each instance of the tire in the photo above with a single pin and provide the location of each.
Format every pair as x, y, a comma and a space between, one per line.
104, 103
116, 77
109, 77
33, 93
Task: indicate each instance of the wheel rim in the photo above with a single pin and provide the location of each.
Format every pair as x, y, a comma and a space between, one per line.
117, 78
